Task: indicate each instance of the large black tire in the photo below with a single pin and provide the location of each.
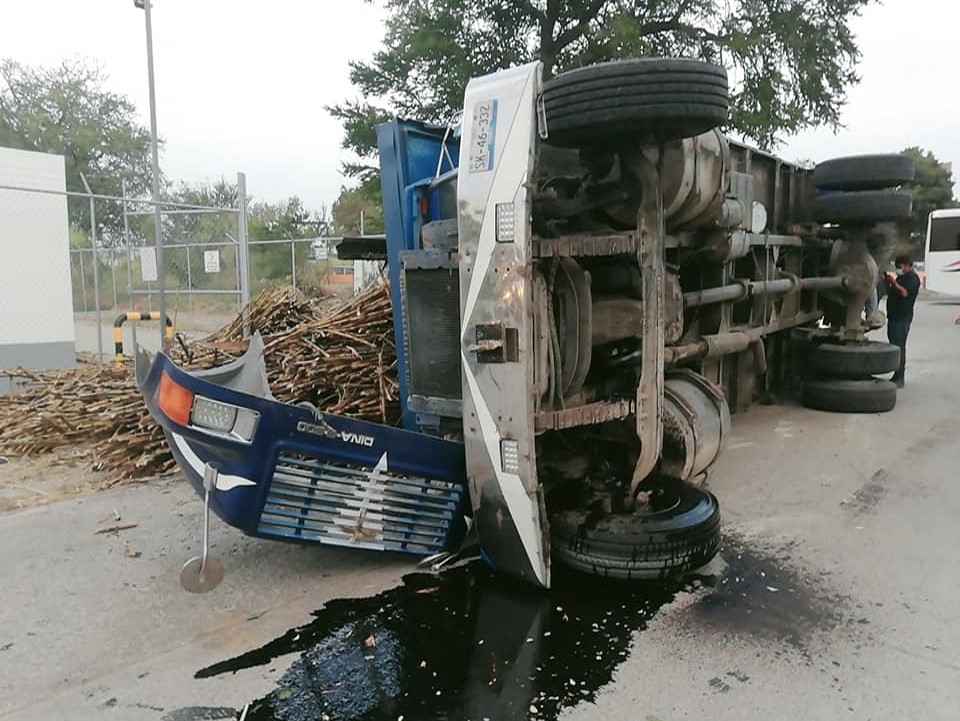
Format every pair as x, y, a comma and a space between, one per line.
865, 207
650, 99
633, 546
864, 172
850, 396
854, 360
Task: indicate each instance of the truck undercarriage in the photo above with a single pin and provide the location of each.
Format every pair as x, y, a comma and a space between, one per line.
588, 280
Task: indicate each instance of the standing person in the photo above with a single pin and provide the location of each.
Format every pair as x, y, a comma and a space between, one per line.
902, 289
871, 309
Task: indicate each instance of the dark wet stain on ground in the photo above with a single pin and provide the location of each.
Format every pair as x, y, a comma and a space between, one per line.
464, 645
866, 498
148, 707
469, 645
200, 713
761, 596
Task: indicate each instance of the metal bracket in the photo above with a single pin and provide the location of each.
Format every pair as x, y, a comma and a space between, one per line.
590, 414
204, 572
496, 343
650, 230
542, 118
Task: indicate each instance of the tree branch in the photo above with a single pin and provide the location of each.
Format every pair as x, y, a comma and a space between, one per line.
681, 10
576, 31
534, 11
667, 26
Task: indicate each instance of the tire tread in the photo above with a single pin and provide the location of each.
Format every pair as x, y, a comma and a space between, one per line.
658, 549
850, 396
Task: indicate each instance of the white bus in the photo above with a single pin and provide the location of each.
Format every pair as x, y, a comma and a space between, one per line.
942, 261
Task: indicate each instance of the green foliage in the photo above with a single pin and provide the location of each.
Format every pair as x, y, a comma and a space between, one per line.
270, 264
364, 198
287, 219
67, 110
360, 120
791, 61
932, 189
79, 238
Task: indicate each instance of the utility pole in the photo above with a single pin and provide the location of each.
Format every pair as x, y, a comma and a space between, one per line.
155, 150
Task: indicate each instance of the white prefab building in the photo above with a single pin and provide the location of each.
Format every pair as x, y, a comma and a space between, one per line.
36, 307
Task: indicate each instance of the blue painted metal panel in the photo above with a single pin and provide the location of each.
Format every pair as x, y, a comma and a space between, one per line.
409, 157
394, 474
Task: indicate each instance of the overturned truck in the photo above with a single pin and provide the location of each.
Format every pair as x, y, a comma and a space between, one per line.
588, 279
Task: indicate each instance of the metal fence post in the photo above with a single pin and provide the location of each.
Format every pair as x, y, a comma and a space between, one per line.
293, 264
236, 268
83, 280
113, 276
126, 242
243, 251
189, 283
96, 269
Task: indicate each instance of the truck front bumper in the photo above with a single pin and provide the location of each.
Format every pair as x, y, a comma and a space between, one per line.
306, 476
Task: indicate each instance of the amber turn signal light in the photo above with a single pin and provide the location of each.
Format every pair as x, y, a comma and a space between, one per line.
174, 400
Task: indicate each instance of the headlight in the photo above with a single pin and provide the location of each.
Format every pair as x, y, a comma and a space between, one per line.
236, 421
213, 415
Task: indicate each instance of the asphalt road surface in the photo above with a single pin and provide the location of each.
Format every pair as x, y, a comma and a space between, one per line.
835, 596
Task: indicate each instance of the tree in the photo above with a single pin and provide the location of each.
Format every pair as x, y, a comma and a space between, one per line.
189, 234
932, 189
364, 199
791, 61
68, 110
270, 263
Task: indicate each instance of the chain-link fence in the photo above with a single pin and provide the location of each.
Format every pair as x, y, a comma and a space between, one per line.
204, 274
206, 262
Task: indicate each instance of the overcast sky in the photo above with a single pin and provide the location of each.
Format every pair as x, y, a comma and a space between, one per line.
242, 84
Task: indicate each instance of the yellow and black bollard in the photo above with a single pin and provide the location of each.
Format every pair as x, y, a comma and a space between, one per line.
118, 330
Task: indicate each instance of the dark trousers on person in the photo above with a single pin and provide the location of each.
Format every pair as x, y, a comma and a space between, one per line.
897, 332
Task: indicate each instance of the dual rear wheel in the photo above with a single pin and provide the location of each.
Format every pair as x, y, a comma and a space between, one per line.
845, 381
861, 190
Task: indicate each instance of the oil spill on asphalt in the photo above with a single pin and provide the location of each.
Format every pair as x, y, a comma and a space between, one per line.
760, 596
464, 645
468, 645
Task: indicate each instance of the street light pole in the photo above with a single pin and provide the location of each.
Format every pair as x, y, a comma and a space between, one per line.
154, 142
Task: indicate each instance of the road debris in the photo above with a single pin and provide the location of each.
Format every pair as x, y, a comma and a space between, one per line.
115, 528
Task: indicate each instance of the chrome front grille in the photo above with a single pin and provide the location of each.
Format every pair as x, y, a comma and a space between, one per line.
317, 501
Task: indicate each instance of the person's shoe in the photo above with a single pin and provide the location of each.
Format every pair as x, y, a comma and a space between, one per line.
875, 319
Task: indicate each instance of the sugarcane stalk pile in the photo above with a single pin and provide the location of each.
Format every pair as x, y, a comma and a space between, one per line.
341, 358
91, 413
